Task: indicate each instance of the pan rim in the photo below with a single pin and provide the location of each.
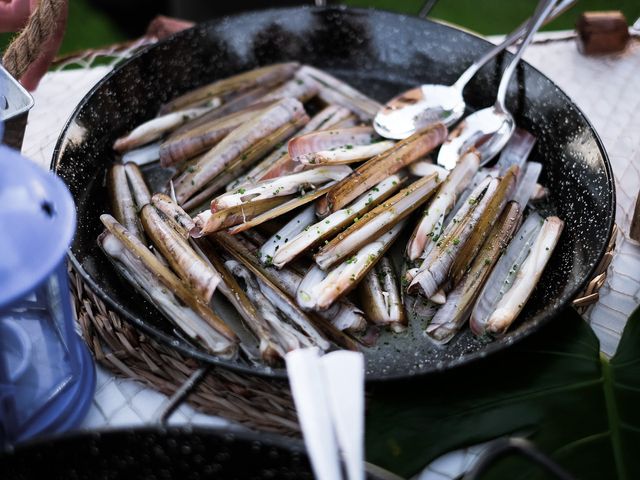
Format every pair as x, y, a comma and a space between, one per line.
280, 373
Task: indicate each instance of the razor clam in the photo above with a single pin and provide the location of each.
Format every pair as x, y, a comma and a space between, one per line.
516, 150
430, 226
527, 183
380, 297
149, 286
271, 289
268, 76
381, 166
539, 193
502, 276
281, 209
207, 222
239, 102
526, 279
344, 315
233, 145
183, 259
449, 318
122, 203
434, 270
327, 227
346, 154
422, 168
291, 229
234, 169
178, 218
143, 155
185, 145
300, 87
281, 163
286, 336
269, 350
270, 277
280, 186
303, 145
170, 281
376, 222
159, 126
333, 90
137, 184
319, 289
480, 230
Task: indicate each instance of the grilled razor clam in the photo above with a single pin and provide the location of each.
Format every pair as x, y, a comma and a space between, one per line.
253, 323
380, 297
422, 168
178, 218
378, 168
512, 303
170, 281
281, 209
207, 222
196, 273
319, 290
376, 222
284, 334
159, 126
122, 203
300, 87
502, 275
434, 270
185, 145
280, 186
238, 166
346, 154
481, 228
234, 144
539, 193
329, 226
333, 90
268, 76
312, 142
236, 248
454, 313
278, 162
143, 155
149, 286
272, 291
527, 182
516, 150
290, 230
284, 164
430, 226
137, 184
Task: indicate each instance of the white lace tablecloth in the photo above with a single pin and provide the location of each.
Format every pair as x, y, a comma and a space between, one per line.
607, 89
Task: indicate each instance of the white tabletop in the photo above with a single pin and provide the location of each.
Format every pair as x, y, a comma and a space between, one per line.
607, 89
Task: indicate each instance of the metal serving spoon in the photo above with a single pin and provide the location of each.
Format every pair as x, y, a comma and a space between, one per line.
488, 130
431, 103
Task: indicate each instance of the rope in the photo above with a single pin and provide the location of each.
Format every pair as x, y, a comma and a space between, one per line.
39, 39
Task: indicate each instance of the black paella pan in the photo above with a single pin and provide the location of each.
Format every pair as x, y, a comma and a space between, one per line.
382, 54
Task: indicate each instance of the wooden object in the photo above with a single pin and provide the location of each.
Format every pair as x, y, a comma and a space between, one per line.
634, 231
602, 32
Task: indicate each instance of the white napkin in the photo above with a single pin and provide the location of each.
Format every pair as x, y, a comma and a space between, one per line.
328, 392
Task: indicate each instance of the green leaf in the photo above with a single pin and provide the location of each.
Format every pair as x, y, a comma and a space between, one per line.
574, 404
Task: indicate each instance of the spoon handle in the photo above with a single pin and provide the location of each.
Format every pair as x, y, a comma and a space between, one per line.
509, 40
542, 11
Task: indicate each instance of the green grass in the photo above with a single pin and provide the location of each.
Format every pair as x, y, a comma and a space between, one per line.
88, 28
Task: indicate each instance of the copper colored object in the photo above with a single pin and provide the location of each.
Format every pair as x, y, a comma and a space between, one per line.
162, 27
602, 32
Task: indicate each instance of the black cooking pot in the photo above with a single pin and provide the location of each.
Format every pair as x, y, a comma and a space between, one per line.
382, 54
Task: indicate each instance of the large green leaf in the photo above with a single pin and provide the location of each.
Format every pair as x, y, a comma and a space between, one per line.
576, 406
